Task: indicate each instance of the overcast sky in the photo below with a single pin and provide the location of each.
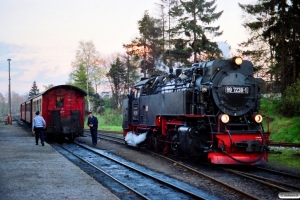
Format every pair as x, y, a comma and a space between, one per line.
41, 36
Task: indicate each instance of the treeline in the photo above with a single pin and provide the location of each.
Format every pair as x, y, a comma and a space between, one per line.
183, 33
273, 46
179, 36
16, 100
92, 72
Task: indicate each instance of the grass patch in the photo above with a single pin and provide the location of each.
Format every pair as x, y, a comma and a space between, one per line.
110, 120
288, 157
285, 130
111, 128
282, 129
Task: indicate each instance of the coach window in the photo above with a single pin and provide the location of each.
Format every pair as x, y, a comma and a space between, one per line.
34, 107
40, 105
59, 102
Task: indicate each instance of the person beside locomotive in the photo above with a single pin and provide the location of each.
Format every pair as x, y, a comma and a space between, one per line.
92, 122
38, 126
133, 94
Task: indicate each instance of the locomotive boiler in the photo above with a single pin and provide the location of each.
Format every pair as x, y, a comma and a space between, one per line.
210, 110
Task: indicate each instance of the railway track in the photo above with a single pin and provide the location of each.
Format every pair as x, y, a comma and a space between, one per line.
144, 183
279, 172
193, 169
278, 184
284, 144
275, 180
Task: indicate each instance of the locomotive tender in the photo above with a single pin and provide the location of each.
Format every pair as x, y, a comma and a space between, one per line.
209, 110
62, 107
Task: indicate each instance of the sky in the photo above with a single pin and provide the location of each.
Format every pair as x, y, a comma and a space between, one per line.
41, 36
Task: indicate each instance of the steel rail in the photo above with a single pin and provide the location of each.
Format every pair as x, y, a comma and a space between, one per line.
267, 179
207, 176
128, 187
257, 180
284, 144
200, 173
278, 172
116, 139
139, 171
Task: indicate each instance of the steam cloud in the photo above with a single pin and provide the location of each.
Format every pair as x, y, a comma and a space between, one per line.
133, 139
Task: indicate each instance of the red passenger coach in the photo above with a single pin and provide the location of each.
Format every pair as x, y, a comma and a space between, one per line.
62, 107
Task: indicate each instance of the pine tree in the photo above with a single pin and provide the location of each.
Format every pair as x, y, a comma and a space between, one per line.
149, 45
278, 23
117, 76
194, 27
33, 91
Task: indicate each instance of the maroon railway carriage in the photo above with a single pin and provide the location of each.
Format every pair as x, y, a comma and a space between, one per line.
62, 107
210, 110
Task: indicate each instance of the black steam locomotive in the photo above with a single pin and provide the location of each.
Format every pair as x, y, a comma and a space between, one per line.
208, 110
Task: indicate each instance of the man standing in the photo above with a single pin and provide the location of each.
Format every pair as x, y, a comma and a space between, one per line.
93, 124
38, 126
133, 93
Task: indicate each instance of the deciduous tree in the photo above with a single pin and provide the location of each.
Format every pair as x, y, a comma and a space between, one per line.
89, 58
3, 107
47, 87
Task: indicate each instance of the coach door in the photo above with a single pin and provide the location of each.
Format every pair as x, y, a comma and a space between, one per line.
55, 117
75, 121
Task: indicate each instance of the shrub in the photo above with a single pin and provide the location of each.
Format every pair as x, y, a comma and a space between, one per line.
291, 100
270, 106
112, 117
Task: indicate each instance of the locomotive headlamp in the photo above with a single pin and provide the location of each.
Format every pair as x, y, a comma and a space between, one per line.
258, 118
224, 118
238, 60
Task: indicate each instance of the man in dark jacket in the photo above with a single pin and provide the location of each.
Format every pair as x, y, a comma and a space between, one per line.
92, 122
133, 94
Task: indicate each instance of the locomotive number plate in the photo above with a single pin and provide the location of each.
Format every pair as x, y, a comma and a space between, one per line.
236, 90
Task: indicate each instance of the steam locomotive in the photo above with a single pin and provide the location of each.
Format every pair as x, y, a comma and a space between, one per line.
210, 110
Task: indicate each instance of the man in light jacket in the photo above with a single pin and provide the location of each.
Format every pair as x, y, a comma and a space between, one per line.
38, 126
